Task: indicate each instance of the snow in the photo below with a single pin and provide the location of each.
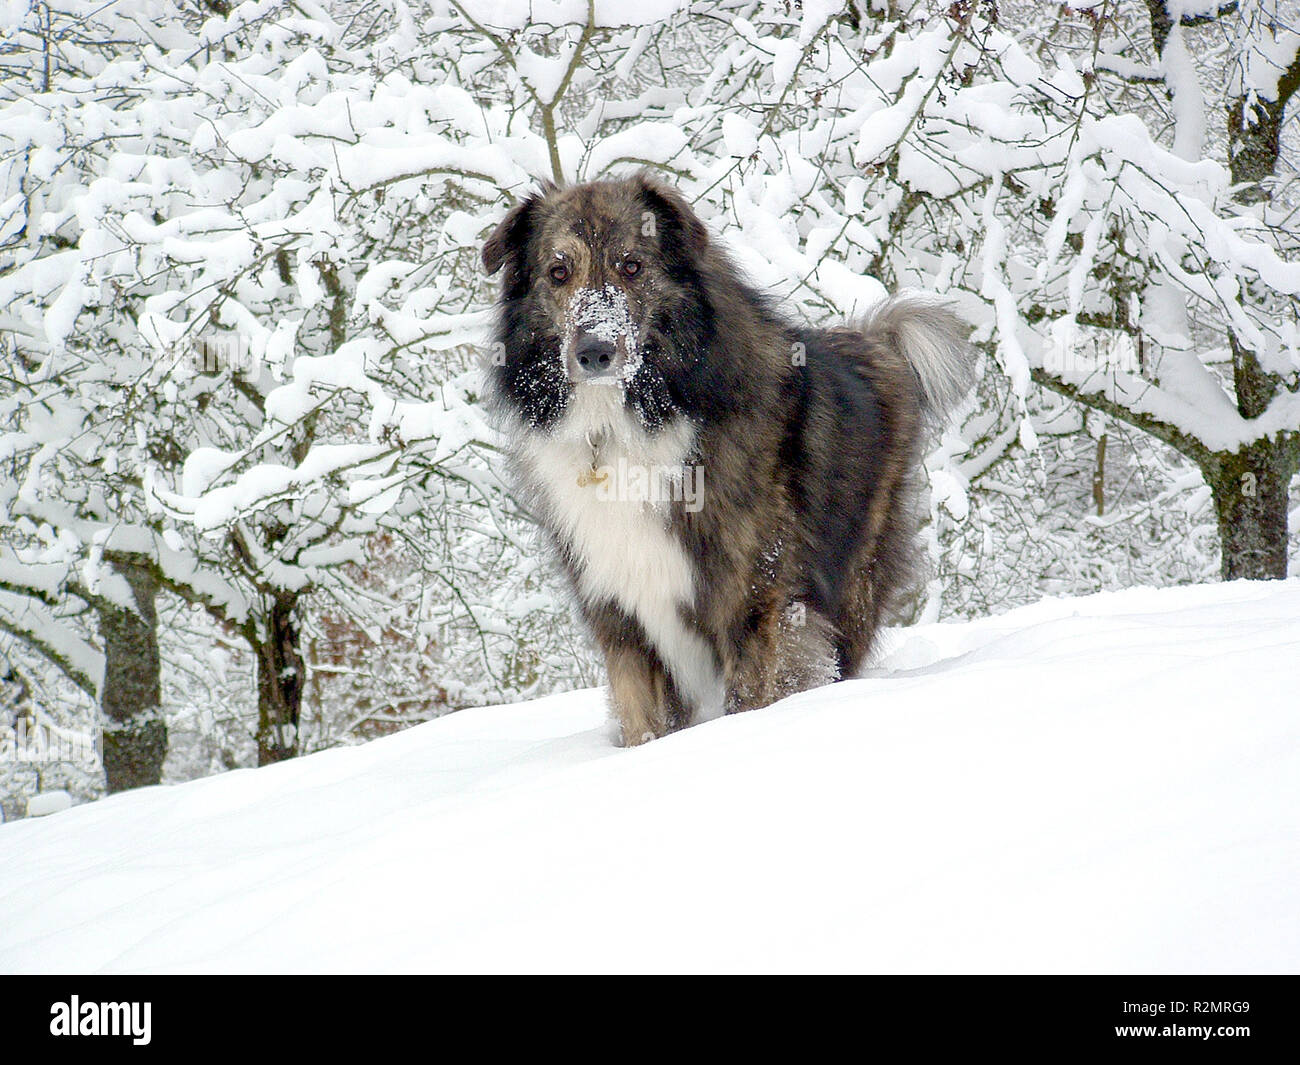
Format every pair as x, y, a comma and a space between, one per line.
1103, 784
1189, 104
603, 313
1268, 46
48, 802
544, 75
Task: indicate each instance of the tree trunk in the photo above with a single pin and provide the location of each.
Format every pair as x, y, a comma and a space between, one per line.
1099, 477
135, 734
1250, 486
1250, 490
281, 673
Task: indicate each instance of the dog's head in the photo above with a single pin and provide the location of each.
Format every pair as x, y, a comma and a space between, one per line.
601, 288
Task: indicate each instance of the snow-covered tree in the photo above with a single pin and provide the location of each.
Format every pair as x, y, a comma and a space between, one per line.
1204, 258
1106, 247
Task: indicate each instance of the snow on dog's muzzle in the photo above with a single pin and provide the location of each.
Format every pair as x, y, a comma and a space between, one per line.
600, 343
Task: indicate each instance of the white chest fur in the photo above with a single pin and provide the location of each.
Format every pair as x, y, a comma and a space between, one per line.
624, 549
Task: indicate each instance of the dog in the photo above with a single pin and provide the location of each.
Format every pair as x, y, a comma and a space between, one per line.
729, 494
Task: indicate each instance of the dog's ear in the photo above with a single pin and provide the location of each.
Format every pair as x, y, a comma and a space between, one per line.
508, 236
673, 216
512, 234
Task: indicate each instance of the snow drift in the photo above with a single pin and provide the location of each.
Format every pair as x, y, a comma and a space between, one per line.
1095, 785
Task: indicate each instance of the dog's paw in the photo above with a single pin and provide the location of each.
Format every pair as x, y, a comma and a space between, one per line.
622, 738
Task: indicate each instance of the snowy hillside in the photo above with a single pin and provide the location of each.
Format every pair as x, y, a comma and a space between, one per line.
1102, 785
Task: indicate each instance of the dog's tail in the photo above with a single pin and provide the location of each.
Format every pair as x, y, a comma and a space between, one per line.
932, 340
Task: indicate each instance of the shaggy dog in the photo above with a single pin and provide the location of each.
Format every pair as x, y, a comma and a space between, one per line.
728, 493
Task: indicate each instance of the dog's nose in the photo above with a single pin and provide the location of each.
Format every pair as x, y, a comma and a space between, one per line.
595, 357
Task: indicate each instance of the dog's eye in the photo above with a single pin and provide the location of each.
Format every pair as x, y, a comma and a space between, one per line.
559, 273
631, 267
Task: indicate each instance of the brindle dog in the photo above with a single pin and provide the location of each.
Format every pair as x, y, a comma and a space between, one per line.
728, 492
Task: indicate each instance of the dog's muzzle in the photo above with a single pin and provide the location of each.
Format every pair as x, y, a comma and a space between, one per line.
601, 334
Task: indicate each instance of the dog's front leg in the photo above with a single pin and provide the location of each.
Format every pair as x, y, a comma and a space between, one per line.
641, 696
